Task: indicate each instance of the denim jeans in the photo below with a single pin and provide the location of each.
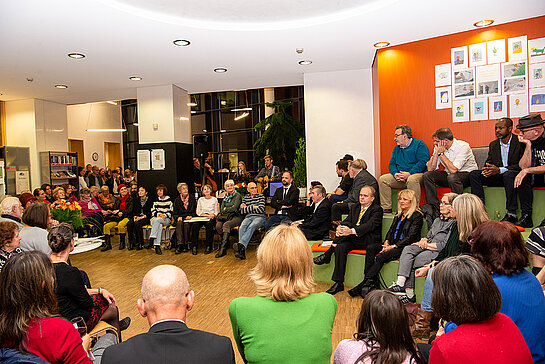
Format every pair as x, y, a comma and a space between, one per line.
249, 225
157, 224
426, 294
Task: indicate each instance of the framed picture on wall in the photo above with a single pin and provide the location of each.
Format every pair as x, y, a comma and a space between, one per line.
443, 97
517, 48
477, 54
536, 75
479, 109
536, 50
537, 99
514, 77
458, 58
497, 107
488, 80
463, 83
518, 105
442, 75
460, 111
495, 51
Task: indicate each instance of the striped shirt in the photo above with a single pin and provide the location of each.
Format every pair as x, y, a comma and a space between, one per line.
163, 206
250, 201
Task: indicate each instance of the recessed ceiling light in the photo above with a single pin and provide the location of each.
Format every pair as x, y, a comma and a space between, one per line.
76, 55
135, 78
483, 23
191, 104
381, 44
61, 86
181, 42
305, 62
220, 70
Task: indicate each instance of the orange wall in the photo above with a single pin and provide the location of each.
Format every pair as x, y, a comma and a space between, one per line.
405, 76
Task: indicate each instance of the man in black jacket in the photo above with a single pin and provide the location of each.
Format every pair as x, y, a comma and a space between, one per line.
317, 225
362, 229
501, 167
285, 202
166, 298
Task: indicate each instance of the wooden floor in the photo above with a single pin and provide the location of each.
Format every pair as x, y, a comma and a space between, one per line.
215, 281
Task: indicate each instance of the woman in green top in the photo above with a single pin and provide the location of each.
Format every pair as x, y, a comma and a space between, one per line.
228, 217
284, 323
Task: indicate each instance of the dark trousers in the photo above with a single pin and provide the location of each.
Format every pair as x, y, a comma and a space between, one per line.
338, 209
506, 180
525, 192
135, 231
433, 179
344, 245
183, 232
275, 220
380, 259
210, 227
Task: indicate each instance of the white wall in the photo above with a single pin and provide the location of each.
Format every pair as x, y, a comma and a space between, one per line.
51, 126
338, 120
99, 115
182, 127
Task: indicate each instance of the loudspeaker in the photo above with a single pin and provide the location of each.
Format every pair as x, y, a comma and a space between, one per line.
200, 146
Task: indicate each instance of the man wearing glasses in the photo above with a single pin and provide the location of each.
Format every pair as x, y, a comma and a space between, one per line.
407, 164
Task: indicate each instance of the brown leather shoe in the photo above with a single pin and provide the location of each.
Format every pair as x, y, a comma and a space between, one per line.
421, 327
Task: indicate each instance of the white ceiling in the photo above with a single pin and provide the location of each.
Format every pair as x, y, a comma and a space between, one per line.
255, 40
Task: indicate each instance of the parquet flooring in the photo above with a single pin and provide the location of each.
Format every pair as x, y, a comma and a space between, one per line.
215, 281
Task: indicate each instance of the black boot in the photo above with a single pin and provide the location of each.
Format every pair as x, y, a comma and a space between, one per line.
208, 249
224, 245
240, 251
158, 250
107, 243
122, 241
150, 244
178, 247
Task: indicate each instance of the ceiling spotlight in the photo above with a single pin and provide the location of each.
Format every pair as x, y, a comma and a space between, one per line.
220, 70
381, 44
483, 23
135, 78
61, 86
29, 79
76, 55
299, 50
111, 102
181, 42
305, 62
191, 104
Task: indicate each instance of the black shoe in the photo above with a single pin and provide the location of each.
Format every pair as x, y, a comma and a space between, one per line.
158, 250
510, 218
185, 248
525, 221
139, 247
322, 259
124, 324
336, 288
107, 244
208, 249
194, 250
240, 251
131, 246
367, 289
121, 241
178, 250
149, 245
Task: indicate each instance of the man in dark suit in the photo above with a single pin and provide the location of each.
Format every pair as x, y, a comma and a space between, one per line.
362, 229
317, 225
285, 202
358, 172
501, 167
166, 298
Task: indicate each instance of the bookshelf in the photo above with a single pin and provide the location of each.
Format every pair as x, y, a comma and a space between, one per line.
59, 168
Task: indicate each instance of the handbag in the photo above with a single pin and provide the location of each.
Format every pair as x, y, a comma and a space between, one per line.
225, 216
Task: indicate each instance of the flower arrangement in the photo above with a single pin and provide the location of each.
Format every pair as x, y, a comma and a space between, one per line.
66, 211
241, 188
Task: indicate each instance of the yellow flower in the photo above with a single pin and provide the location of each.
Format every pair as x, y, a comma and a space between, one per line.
71, 207
63, 207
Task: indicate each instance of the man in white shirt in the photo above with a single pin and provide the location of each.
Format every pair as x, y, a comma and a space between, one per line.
457, 159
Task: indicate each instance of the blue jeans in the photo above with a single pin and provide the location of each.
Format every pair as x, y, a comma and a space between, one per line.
275, 220
157, 224
248, 227
426, 294
337, 198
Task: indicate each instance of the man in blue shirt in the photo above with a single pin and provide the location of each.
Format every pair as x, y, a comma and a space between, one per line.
407, 165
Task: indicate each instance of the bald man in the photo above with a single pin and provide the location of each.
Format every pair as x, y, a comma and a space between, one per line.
166, 298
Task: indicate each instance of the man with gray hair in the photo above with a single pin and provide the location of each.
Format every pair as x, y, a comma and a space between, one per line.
166, 298
11, 210
317, 225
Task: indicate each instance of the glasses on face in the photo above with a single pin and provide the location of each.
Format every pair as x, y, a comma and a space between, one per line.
527, 130
397, 135
445, 203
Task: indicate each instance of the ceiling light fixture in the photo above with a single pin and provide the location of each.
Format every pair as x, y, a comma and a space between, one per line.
135, 78
184, 118
61, 86
76, 55
381, 44
242, 109
107, 130
483, 23
111, 102
220, 70
191, 104
305, 62
181, 42
243, 115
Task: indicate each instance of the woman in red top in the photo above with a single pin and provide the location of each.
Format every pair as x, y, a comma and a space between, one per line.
28, 310
464, 293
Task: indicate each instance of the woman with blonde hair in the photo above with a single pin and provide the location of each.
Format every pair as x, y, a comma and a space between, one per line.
285, 322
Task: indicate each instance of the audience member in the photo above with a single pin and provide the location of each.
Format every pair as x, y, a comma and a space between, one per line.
94, 178
11, 210
457, 158
382, 335
407, 166
425, 250
269, 173
499, 247
70, 193
361, 177
27, 199
166, 298
185, 207
76, 300
404, 231
207, 207
128, 176
253, 210
40, 195
9, 243
275, 326
228, 217
91, 211
360, 230
317, 225
242, 175
501, 167
161, 215
59, 195
115, 180
82, 183
140, 216
348, 157
122, 211
34, 234
341, 192
465, 294
285, 202
88, 169
47, 189
106, 199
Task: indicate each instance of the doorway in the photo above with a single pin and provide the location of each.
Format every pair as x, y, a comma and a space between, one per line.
112, 155
76, 146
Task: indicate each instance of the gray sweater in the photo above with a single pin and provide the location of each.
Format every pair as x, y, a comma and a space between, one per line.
34, 238
250, 201
439, 232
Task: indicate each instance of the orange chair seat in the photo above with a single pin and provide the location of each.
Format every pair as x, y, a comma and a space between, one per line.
318, 248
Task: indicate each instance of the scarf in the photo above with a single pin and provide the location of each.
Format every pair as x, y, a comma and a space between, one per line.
185, 201
123, 201
228, 198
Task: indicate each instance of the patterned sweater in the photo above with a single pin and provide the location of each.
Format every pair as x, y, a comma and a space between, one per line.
163, 206
250, 201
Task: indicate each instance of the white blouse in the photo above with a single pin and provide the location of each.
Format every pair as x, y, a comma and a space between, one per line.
208, 206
